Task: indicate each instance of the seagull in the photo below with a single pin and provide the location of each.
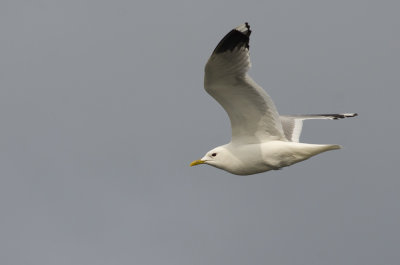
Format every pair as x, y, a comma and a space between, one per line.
262, 140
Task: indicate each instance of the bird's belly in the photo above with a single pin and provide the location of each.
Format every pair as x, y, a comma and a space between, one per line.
250, 169
272, 155
278, 154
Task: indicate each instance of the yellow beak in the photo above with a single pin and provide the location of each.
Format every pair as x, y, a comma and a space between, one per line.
197, 162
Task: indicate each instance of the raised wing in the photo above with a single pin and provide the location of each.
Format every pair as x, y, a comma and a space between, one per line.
252, 113
292, 124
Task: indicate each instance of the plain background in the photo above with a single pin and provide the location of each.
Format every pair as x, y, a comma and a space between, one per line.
102, 108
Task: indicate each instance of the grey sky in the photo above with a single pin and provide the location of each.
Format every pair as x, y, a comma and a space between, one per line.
102, 108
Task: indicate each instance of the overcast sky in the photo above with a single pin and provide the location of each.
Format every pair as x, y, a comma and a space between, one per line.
102, 108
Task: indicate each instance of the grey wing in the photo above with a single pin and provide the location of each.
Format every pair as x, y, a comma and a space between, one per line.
293, 124
252, 113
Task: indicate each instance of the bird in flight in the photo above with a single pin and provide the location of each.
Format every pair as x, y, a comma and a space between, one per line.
262, 140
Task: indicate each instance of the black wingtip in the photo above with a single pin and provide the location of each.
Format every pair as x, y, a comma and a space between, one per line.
342, 116
236, 38
335, 116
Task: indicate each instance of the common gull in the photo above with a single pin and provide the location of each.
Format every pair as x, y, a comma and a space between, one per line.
262, 140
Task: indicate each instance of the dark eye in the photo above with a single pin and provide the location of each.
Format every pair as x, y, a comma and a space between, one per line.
214, 154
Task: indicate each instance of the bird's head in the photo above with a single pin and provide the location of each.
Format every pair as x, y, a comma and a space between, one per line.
217, 157
228, 158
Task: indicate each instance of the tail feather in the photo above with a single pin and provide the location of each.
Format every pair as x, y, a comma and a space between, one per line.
333, 147
315, 149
